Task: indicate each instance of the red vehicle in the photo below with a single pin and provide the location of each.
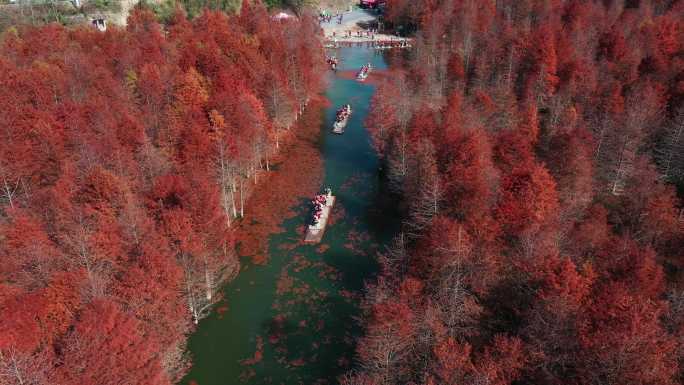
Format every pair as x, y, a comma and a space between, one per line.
371, 3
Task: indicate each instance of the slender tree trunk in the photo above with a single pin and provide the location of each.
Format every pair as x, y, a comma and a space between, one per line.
242, 199
208, 280
232, 198
673, 148
17, 372
9, 192
225, 186
226, 204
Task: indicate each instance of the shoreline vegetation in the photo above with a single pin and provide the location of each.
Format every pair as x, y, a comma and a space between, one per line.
118, 224
73, 13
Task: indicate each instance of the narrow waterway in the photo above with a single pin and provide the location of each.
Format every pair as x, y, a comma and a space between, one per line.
292, 321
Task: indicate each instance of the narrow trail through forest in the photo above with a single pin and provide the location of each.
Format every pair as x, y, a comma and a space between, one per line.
288, 318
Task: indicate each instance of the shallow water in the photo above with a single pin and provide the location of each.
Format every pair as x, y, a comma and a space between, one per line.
292, 320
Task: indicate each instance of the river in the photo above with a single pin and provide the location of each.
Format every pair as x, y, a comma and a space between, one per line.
293, 320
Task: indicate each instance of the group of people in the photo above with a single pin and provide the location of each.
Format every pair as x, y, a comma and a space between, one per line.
379, 44
319, 202
343, 113
369, 34
332, 62
363, 73
325, 18
391, 44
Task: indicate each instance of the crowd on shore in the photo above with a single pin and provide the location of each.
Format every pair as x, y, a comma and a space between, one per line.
348, 34
325, 18
378, 44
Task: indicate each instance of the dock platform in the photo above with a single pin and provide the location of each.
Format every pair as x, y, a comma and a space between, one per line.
314, 234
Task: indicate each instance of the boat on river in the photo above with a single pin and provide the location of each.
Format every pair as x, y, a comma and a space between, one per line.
322, 207
363, 73
341, 119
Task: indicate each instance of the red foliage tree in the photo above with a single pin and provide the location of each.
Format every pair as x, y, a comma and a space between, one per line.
106, 347
555, 133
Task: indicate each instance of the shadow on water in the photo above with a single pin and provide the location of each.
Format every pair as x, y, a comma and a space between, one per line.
292, 321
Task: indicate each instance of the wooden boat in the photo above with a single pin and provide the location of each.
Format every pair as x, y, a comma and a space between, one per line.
342, 119
323, 204
338, 127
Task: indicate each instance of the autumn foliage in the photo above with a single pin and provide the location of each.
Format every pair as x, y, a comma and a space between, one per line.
125, 159
537, 149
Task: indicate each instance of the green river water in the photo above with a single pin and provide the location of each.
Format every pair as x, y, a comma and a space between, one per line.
301, 307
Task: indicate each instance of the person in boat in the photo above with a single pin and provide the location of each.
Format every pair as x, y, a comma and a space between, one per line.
342, 112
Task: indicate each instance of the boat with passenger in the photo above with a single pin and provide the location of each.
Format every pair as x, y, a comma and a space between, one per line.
341, 119
363, 73
322, 207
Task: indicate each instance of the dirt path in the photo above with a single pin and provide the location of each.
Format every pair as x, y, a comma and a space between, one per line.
120, 17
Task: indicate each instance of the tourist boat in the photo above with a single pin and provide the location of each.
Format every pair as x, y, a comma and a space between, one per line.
341, 119
322, 207
363, 73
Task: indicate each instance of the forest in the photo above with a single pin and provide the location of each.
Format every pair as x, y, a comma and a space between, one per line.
126, 159
537, 147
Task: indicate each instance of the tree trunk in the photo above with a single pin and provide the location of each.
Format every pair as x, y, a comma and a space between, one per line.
208, 281
232, 198
242, 199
